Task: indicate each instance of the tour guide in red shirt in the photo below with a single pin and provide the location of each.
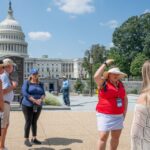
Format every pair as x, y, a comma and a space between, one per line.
112, 104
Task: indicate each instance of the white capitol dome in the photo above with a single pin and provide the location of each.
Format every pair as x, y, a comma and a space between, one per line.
12, 39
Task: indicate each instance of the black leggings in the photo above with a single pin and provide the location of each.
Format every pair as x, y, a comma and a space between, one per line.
30, 120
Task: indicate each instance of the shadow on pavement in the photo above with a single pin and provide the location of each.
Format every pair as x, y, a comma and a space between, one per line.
76, 105
82, 104
41, 148
62, 141
66, 149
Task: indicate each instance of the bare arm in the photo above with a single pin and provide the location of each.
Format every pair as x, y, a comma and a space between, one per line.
98, 74
11, 88
142, 99
126, 105
1, 98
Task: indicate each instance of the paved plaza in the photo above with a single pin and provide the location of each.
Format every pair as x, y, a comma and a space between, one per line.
73, 129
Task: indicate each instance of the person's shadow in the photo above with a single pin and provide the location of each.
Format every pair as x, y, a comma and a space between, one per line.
62, 141
45, 148
42, 148
57, 141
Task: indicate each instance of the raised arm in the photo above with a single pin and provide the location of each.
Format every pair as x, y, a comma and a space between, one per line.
1, 98
98, 74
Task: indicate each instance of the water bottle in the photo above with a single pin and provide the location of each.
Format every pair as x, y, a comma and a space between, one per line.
35, 107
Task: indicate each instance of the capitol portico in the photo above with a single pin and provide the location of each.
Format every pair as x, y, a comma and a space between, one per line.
13, 44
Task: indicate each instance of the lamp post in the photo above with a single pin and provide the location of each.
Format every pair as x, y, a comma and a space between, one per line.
57, 78
91, 70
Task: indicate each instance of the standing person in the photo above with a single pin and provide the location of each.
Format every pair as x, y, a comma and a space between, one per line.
112, 105
65, 90
1, 95
8, 96
33, 95
140, 130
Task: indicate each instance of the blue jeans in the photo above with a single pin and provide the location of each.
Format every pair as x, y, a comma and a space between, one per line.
66, 97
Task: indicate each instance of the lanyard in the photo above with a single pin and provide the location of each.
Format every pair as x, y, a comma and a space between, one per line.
117, 87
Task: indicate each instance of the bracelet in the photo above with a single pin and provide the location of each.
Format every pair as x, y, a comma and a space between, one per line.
105, 64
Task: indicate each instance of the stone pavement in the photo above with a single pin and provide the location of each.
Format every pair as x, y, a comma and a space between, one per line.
79, 103
73, 129
62, 130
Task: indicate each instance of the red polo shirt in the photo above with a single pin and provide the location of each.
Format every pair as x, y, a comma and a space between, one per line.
107, 103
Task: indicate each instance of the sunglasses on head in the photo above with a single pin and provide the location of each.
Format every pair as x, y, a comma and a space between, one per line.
35, 74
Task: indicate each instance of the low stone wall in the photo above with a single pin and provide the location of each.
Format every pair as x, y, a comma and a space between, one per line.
133, 87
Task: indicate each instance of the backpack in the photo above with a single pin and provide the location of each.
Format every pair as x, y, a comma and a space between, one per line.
28, 84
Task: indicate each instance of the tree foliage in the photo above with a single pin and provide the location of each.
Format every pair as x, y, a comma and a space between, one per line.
115, 54
131, 47
79, 86
131, 38
137, 63
98, 53
147, 45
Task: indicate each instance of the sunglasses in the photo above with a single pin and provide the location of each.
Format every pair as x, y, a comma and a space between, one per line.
35, 74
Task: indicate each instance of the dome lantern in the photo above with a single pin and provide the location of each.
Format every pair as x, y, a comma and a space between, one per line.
10, 12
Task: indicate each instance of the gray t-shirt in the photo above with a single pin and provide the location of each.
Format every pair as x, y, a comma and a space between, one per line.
5, 84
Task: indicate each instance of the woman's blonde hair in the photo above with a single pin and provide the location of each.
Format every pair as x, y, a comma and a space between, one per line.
30, 78
146, 80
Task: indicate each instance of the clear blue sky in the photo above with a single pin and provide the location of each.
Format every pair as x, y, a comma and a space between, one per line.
66, 28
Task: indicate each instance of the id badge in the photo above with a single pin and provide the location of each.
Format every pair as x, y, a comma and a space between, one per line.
119, 102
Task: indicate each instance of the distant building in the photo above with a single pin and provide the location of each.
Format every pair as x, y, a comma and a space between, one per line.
13, 44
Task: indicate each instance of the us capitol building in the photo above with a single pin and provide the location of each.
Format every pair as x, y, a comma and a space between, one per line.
14, 46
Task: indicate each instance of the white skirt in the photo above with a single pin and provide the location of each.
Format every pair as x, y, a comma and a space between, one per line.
106, 122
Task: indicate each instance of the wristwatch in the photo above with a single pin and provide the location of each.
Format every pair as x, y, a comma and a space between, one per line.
105, 64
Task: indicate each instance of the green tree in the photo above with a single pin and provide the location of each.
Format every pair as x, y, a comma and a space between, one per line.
127, 41
131, 38
79, 86
98, 53
147, 45
137, 63
115, 54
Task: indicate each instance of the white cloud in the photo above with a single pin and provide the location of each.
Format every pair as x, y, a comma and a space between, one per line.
111, 24
41, 36
146, 11
75, 6
49, 9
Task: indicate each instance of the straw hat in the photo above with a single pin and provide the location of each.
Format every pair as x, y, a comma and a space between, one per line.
114, 71
8, 61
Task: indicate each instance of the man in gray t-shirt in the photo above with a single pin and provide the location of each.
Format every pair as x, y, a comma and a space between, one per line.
8, 86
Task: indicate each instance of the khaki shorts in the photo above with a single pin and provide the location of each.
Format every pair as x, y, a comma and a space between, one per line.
5, 120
